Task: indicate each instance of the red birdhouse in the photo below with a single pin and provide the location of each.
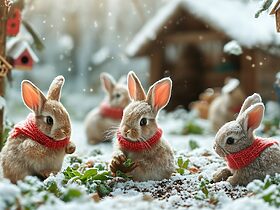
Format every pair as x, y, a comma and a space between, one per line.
21, 55
13, 22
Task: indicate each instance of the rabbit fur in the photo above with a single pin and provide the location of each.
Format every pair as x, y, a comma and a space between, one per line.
22, 156
222, 109
100, 128
242, 131
156, 162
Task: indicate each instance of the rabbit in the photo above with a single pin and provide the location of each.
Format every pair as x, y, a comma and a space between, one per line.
202, 105
249, 157
37, 146
225, 107
100, 121
139, 137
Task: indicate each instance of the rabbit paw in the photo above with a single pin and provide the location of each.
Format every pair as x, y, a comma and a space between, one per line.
117, 163
232, 180
70, 149
222, 175
44, 174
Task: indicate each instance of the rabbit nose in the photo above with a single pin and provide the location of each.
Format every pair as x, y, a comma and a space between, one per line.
128, 131
65, 131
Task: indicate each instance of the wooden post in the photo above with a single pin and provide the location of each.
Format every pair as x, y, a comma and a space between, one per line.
156, 65
3, 23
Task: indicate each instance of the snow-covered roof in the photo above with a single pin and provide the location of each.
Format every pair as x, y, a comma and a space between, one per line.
235, 18
16, 46
275, 8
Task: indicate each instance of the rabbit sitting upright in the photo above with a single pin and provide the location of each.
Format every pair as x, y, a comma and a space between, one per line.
248, 157
101, 120
37, 146
139, 138
227, 105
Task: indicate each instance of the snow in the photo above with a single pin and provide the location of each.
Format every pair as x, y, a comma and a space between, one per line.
233, 48
178, 192
8, 194
66, 42
233, 17
2, 102
231, 85
248, 204
101, 56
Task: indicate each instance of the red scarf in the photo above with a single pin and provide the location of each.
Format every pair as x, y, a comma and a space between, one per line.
245, 157
139, 145
28, 128
111, 112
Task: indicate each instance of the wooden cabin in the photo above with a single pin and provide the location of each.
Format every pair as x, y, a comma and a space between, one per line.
276, 11
186, 38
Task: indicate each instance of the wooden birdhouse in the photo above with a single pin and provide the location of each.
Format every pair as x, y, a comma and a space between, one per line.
13, 22
276, 11
21, 55
5, 67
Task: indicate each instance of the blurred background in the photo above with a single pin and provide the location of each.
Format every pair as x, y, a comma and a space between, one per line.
199, 44
82, 39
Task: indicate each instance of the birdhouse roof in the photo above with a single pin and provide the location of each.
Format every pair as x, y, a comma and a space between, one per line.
16, 46
234, 18
275, 8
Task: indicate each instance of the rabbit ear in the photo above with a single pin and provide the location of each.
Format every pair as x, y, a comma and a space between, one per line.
252, 117
159, 94
108, 82
54, 92
135, 89
249, 101
32, 97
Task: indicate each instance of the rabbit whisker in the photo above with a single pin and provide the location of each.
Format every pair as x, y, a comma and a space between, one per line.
110, 133
225, 152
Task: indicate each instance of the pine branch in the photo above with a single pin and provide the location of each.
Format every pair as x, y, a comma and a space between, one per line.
37, 41
265, 6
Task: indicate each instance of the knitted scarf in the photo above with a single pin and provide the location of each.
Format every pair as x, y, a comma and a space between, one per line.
246, 156
29, 129
111, 112
139, 145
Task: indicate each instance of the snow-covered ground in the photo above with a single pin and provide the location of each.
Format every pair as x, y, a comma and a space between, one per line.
192, 189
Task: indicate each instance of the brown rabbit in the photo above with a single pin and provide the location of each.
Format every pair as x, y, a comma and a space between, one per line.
139, 137
248, 157
37, 146
101, 120
226, 106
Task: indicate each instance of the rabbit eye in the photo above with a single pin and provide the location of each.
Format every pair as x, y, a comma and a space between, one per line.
49, 120
143, 121
230, 140
118, 95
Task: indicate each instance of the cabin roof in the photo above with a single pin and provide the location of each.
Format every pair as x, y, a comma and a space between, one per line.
235, 18
275, 8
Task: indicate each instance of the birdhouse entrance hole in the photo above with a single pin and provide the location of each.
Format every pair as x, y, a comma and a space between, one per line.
24, 59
